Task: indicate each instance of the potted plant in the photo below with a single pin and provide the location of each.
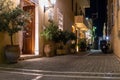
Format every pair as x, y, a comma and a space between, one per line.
82, 45
73, 38
61, 38
64, 37
11, 22
50, 37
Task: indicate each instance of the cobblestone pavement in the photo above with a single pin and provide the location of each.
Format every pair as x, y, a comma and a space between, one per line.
95, 66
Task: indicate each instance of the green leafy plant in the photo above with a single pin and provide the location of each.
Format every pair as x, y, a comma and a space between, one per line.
82, 44
13, 21
53, 33
66, 36
63, 37
50, 32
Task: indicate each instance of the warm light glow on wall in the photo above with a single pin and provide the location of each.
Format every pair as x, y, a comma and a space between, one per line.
17, 2
73, 29
77, 48
36, 32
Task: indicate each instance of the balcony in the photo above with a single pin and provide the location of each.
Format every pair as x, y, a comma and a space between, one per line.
81, 23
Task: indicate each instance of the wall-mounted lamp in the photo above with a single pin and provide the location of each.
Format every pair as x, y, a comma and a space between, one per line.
50, 6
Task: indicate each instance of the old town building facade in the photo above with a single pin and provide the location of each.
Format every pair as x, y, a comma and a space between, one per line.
61, 12
114, 25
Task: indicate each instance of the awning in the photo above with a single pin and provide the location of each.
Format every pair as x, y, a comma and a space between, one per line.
81, 23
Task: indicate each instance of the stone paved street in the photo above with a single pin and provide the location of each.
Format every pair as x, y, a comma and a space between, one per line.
95, 66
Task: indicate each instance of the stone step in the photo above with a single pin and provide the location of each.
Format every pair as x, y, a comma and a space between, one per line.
24, 57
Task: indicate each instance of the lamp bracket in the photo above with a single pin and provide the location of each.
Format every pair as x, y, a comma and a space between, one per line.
48, 7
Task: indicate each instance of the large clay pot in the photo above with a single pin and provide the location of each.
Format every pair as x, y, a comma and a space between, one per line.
12, 53
49, 49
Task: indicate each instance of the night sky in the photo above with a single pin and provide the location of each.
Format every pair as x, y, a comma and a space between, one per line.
98, 12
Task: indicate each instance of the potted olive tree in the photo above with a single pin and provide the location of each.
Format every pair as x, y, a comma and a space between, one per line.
11, 22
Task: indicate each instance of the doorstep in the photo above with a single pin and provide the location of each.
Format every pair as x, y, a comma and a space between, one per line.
24, 57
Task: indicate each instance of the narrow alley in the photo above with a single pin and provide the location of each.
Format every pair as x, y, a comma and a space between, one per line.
60, 40
92, 66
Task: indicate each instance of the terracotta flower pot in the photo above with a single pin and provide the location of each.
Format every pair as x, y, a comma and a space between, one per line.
49, 49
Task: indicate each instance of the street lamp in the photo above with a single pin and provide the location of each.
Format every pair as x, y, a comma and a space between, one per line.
50, 6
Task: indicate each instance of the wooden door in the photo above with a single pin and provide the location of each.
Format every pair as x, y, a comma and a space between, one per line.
29, 32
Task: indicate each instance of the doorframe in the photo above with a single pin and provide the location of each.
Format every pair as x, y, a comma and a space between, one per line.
35, 49
27, 4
